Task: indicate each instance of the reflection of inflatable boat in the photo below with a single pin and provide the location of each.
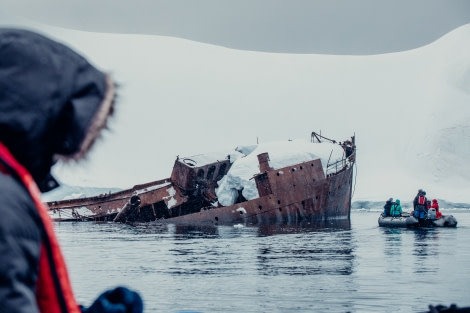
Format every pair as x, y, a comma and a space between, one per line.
407, 220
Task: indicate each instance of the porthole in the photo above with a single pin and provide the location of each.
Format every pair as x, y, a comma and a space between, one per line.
210, 172
221, 173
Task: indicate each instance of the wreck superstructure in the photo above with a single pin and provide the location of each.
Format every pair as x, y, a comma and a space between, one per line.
299, 192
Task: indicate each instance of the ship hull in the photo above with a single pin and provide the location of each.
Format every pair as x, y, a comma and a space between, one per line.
330, 199
309, 191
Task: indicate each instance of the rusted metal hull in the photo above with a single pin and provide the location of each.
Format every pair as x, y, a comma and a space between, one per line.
106, 207
327, 199
293, 194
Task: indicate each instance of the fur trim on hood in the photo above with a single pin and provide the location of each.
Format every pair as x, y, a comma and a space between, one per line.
97, 124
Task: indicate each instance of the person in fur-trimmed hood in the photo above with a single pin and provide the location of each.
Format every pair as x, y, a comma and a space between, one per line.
53, 105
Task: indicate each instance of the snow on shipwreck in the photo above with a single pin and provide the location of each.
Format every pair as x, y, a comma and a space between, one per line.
277, 182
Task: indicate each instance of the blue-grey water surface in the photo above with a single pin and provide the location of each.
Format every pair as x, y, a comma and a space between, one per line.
345, 266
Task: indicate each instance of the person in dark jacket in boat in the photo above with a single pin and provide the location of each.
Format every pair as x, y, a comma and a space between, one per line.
419, 205
53, 105
395, 209
387, 206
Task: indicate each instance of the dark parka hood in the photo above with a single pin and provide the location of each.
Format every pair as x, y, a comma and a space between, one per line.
53, 103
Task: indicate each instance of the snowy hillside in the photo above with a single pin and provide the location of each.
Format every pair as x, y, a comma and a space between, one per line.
66, 192
409, 110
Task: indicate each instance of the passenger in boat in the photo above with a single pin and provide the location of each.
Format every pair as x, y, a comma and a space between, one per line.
419, 205
395, 209
53, 105
435, 205
387, 206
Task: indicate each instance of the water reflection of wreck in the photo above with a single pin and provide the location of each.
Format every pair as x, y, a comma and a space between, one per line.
298, 192
326, 250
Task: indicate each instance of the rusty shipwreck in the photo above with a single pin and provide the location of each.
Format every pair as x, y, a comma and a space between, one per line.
311, 190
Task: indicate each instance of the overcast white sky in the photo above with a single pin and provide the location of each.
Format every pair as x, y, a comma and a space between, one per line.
290, 26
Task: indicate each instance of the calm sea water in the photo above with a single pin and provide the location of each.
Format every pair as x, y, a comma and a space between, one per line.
345, 266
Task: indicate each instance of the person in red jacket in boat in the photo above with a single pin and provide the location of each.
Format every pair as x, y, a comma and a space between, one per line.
435, 205
419, 205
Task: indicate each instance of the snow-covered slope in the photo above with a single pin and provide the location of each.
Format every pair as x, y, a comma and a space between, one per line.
66, 192
409, 110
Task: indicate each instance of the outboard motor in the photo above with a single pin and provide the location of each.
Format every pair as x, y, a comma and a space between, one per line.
432, 213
